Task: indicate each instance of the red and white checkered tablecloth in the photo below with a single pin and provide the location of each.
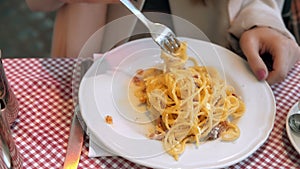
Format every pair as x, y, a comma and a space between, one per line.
44, 90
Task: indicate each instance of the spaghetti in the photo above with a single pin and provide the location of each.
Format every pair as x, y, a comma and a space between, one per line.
194, 103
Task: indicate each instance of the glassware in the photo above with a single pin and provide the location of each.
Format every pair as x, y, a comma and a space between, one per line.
10, 156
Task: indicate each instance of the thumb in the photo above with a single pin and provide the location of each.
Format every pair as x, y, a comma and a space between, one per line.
250, 48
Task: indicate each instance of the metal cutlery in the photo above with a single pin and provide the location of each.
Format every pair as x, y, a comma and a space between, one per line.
294, 120
76, 137
160, 33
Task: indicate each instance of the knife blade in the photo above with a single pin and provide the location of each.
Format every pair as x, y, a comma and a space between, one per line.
75, 141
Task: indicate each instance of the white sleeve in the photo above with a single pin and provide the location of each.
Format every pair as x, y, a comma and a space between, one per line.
257, 13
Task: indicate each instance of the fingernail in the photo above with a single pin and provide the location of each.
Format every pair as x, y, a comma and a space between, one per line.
261, 74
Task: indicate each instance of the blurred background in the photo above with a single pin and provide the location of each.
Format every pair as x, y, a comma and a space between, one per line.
28, 34
24, 33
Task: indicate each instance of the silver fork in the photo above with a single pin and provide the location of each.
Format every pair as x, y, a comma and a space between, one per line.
160, 33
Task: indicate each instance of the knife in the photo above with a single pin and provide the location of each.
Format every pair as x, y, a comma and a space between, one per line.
75, 141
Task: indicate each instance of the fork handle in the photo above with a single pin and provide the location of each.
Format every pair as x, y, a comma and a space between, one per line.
136, 12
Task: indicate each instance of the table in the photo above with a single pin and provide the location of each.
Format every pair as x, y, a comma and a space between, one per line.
43, 87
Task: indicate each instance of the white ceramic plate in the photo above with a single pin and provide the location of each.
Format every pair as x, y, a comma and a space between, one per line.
103, 91
294, 138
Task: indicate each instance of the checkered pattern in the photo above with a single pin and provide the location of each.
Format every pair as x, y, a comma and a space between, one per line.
43, 89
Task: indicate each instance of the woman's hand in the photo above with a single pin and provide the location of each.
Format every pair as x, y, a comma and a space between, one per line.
283, 52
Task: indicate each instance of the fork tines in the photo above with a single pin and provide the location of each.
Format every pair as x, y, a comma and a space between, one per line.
171, 44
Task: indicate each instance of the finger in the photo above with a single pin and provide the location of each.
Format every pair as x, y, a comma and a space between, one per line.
250, 47
280, 66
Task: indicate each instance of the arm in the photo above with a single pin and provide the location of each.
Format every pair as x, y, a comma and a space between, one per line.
257, 13
52, 5
44, 5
